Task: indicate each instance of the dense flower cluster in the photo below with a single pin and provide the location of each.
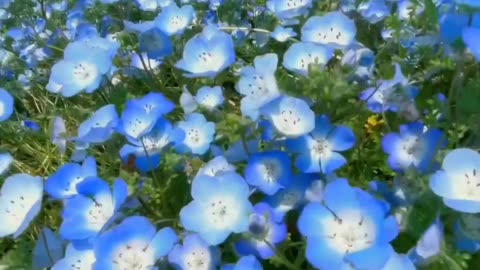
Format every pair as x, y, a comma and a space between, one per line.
245, 120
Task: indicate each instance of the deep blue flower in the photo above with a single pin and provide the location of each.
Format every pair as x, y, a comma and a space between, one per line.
173, 20
263, 235
20, 202
351, 226
301, 56
220, 207
63, 183
194, 254
6, 105
334, 29
135, 242
198, 134
318, 151
268, 171
207, 53
470, 37
415, 146
451, 26
458, 183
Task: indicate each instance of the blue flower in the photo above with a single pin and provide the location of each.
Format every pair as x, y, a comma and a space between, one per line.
470, 37
5, 161
92, 209
283, 34
288, 9
209, 97
244, 263
301, 56
99, 127
6, 105
207, 53
264, 233
351, 226
451, 26
220, 207
155, 44
198, 134
187, 101
82, 68
429, 246
194, 254
412, 147
174, 20
141, 115
216, 166
58, 136
63, 183
407, 9
269, 171
48, 249
291, 117
20, 202
472, 3
258, 85
333, 29
147, 148
458, 183
76, 258
374, 10
146, 5
318, 151
132, 243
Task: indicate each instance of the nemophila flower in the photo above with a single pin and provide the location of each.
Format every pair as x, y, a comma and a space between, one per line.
467, 233
63, 183
215, 166
220, 207
301, 56
199, 134
109, 46
287, 9
207, 53
458, 183
334, 29
429, 246
451, 26
258, 84
155, 44
398, 262
82, 68
92, 209
6, 105
268, 171
146, 5
5, 161
210, 97
147, 148
244, 263
48, 249
99, 127
140, 27
263, 234
374, 11
173, 20
282, 34
58, 134
194, 254
78, 258
141, 115
20, 202
187, 101
292, 196
291, 117
470, 37
31, 125
239, 150
318, 150
415, 146
134, 244
350, 227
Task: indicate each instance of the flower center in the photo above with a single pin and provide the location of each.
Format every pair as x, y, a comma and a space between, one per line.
469, 185
133, 257
270, 171
197, 260
194, 137
222, 212
99, 215
84, 72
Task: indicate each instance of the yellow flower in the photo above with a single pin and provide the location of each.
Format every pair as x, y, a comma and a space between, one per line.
373, 122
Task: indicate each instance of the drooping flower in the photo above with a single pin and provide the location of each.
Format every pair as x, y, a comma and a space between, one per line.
333, 29
194, 254
458, 182
63, 183
6, 105
429, 246
350, 227
268, 171
301, 56
207, 53
198, 134
291, 117
58, 134
173, 20
412, 147
155, 43
220, 207
318, 150
20, 202
48, 249
79, 258
134, 244
92, 209
99, 127
258, 85
263, 235
5, 161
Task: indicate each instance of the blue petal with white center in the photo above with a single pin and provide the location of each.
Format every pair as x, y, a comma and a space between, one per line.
333, 29
210, 97
301, 56
198, 134
78, 258
173, 20
194, 254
